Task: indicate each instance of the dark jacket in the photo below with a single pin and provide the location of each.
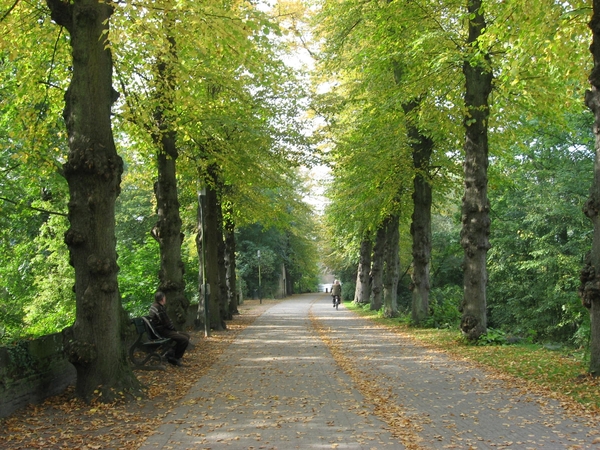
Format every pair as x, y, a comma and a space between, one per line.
336, 289
159, 318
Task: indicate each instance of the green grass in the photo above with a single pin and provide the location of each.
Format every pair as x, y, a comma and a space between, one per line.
554, 371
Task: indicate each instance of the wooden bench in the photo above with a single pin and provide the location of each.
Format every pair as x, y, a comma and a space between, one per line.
150, 345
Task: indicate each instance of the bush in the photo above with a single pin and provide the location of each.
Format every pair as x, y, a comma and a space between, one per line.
492, 337
348, 290
443, 307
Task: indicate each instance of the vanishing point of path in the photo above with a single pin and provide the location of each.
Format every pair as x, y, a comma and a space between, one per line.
305, 376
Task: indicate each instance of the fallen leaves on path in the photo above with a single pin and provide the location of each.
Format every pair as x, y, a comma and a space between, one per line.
386, 407
65, 421
527, 387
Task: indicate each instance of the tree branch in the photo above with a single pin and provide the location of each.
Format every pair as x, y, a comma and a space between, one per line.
5, 15
34, 208
10, 168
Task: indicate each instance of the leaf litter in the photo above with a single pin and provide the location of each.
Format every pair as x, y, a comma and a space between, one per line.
553, 405
66, 422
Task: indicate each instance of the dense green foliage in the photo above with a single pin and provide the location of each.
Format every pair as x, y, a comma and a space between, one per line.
540, 235
236, 108
377, 57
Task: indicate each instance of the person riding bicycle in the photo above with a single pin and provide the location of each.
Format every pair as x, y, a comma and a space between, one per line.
336, 292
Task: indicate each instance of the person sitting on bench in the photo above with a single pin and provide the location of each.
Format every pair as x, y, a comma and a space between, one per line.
163, 326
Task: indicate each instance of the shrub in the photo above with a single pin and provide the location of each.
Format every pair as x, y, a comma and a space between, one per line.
443, 307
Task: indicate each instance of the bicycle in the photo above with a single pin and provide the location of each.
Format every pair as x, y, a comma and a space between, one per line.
336, 301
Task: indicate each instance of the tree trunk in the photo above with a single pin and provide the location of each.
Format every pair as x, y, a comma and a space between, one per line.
289, 281
203, 317
361, 294
230, 263
475, 206
376, 276
590, 274
167, 230
213, 234
167, 233
223, 291
391, 267
420, 228
93, 172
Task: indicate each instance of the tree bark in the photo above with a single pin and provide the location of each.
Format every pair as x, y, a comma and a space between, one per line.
475, 205
289, 288
93, 172
167, 233
376, 275
363, 287
420, 228
391, 267
202, 317
590, 274
230, 263
167, 230
222, 267
213, 235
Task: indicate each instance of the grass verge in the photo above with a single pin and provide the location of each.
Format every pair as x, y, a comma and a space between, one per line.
556, 373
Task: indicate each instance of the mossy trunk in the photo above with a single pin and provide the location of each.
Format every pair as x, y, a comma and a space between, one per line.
93, 172
590, 274
475, 205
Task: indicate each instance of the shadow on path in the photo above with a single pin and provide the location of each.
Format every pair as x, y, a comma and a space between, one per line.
348, 384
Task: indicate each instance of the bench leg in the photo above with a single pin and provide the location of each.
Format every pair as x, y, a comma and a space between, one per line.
142, 363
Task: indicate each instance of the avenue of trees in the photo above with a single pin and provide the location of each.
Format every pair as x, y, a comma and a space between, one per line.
160, 145
140, 144
460, 138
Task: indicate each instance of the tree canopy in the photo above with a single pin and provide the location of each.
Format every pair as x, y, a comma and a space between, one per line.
387, 76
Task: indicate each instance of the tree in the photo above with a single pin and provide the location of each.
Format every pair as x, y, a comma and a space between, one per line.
293, 246
139, 256
33, 191
381, 104
230, 260
539, 234
94, 344
420, 228
222, 264
475, 206
391, 271
363, 285
212, 241
167, 230
590, 274
376, 275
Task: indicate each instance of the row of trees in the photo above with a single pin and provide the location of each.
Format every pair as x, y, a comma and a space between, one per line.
182, 126
419, 97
